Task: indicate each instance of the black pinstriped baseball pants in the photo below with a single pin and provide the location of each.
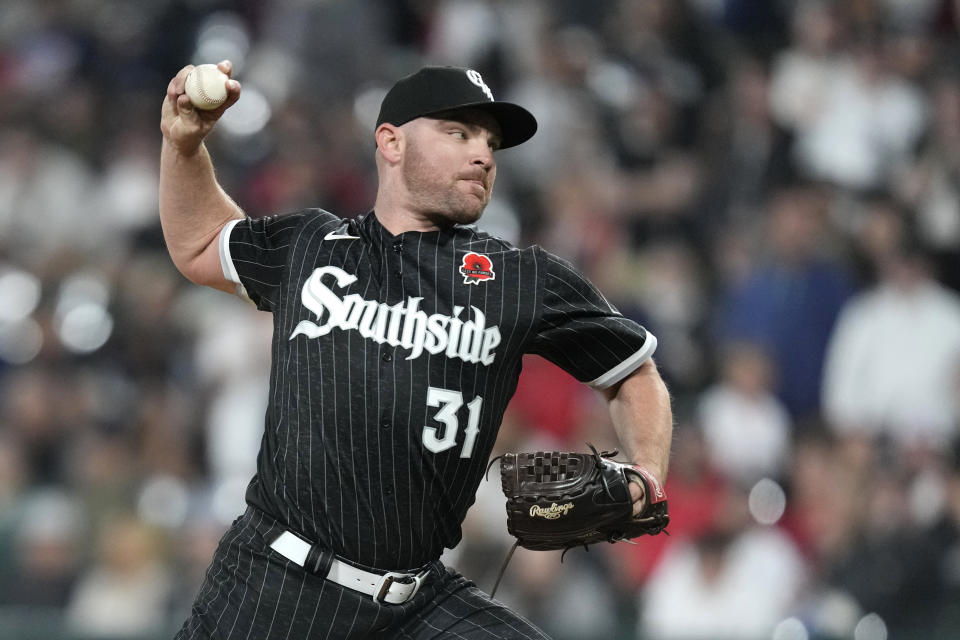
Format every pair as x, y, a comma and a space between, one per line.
252, 593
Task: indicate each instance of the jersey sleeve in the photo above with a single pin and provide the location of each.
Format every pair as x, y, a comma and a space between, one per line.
253, 254
582, 333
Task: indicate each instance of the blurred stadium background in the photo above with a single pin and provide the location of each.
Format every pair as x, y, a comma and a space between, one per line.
771, 186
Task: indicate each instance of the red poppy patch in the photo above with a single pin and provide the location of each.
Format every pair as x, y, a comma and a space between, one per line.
476, 267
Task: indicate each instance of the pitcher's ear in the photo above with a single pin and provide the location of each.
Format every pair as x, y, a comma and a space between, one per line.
389, 141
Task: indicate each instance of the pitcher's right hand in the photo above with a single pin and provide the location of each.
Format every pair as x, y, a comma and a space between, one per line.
183, 125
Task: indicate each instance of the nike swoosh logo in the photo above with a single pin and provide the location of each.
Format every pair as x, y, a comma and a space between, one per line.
333, 235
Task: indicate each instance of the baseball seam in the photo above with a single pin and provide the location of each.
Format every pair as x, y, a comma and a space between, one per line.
199, 89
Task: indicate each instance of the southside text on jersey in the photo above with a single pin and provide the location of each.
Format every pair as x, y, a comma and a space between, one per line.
402, 324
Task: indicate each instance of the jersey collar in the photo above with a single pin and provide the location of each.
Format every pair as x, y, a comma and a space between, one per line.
380, 235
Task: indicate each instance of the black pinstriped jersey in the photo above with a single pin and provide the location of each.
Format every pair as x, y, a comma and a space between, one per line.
393, 360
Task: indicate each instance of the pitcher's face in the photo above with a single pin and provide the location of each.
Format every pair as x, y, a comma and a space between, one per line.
448, 165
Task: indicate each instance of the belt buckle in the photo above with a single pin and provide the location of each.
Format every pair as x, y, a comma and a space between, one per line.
382, 588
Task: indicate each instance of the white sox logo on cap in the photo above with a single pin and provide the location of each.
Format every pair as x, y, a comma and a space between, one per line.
477, 79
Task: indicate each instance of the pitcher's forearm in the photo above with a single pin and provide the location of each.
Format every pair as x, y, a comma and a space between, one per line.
193, 206
643, 419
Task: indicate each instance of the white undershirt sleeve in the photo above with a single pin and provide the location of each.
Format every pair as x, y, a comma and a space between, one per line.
628, 366
226, 261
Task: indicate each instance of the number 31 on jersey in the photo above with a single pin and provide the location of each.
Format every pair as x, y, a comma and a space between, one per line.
449, 403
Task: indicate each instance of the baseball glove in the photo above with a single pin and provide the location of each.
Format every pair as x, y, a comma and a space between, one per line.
560, 500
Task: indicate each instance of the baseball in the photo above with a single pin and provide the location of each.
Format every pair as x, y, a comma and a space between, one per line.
206, 86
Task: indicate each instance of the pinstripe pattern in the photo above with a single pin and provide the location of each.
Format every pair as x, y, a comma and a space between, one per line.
251, 592
391, 375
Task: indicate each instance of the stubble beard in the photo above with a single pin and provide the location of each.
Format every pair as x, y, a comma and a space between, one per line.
437, 198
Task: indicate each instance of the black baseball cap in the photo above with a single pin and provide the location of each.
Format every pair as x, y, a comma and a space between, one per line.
434, 90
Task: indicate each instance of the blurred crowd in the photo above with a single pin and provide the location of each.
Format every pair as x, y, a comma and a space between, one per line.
771, 187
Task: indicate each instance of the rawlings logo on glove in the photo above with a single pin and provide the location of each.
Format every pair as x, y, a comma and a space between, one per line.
559, 500
552, 512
